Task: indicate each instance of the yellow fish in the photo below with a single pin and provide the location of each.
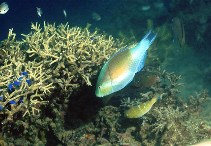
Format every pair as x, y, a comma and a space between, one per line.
140, 110
121, 68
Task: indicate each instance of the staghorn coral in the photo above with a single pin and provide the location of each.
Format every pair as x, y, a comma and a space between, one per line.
178, 127
170, 122
23, 84
28, 94
44, 68
73, 54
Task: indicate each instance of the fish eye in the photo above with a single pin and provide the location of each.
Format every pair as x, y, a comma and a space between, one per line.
99, 87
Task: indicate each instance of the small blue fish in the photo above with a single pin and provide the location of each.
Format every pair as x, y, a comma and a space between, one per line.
24, 73
16, 83
10, 87
1, 98
12, 102
21, 100
29, 81
1, 108
120, 69
20, 78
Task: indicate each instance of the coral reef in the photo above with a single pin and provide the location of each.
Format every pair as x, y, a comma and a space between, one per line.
47, 98
70, 53
24, 85
173, 120
39, 74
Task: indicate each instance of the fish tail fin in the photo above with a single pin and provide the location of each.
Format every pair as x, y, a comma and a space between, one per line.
143, 46
147, 40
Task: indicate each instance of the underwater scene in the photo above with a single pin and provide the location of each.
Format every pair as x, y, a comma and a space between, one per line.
105, 73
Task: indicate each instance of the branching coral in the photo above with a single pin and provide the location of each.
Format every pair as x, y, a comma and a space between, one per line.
172, 120
53, 56
24, 87
24, 84
44, 68
73, 54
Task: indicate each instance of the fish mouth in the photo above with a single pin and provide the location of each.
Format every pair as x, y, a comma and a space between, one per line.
98, 94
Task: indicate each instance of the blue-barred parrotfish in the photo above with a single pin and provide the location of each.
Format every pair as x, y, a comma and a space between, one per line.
121, 68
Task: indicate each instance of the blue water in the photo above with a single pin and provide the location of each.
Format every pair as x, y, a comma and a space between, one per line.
23, 13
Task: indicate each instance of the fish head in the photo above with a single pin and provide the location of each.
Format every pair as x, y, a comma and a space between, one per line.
103, 89
104, 83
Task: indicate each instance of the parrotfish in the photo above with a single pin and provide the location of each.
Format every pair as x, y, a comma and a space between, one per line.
140, 110
121, 68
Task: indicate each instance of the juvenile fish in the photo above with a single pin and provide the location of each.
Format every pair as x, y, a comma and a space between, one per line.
140, 110
121, 68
